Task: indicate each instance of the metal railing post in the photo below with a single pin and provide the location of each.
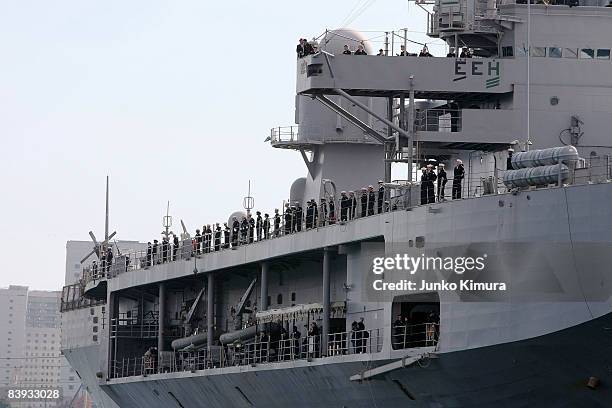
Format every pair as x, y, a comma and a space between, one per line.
386, 43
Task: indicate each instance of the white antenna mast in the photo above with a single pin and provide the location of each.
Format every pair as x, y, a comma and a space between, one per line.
99, 247
167, 223
248, 202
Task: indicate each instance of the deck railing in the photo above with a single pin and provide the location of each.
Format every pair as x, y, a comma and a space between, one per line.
267, 351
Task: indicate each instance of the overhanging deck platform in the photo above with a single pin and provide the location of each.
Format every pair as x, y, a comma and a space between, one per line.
378, 76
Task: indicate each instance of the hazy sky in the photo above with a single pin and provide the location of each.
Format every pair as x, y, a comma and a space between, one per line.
171, 99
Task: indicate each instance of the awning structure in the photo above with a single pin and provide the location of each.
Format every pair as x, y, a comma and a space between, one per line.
299, 312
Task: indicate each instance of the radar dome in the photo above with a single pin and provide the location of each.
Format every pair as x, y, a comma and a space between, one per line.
296, 193
334, 41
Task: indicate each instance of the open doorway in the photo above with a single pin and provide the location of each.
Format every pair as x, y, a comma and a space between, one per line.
415, 320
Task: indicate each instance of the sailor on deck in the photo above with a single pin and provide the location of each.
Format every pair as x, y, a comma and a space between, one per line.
458, 175
266, 226
259, 225
235, 232
442, 180
381, 196
344, 206
277, 222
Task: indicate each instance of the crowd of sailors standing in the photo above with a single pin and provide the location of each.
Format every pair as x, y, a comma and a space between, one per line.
328, 211
429, 176
248, 229
305, 48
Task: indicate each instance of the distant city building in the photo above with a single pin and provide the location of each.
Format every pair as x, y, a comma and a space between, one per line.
14, 304
30, 351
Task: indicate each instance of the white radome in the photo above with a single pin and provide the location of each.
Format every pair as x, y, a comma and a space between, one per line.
334, 40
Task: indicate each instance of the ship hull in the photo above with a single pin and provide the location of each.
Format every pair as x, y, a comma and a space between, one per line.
84, 359
546, 371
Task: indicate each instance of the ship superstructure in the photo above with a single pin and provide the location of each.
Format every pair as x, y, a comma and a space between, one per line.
216, 325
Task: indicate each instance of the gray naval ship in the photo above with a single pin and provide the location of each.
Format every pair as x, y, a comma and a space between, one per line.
524, 100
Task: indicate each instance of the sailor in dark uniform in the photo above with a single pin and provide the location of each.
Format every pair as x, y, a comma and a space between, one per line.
423, 185
458, 175
217, 237
346, 50
298, 216
442, 180
244, 230
109, 258
288, 219
277, 222
322, 212
431, 177
361, 50
164, 249
344, 206
353, 205
198, 242
331, 215
251, 229
175, 247
300, 48
155, 246
266, 226
309, 214
259, 225
371, 200
364, 201
206, 238
149, 255
381, 196
235, 232
226, 235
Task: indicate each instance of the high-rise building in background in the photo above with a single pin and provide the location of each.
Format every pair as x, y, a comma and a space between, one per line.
30, 350
14, 304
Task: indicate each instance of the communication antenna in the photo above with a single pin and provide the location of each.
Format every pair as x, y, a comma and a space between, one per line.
167, 223
184, 235
117, 248
100, 247
248, 202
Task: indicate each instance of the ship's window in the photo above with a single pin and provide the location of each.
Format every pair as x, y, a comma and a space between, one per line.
570, 53
507, 51
554, 52
293, 296
603, 54
95, 319
92, 311
95, 337
269, 300
538, 51
279, 299
314, 70
587, 53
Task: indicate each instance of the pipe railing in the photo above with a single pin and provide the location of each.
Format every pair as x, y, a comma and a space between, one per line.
296, 135
261, 351
417, 335
439, 120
